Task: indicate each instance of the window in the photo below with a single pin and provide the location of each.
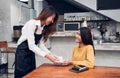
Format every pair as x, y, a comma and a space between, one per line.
24, 1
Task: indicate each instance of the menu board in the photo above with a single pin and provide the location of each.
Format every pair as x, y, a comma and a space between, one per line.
71, 26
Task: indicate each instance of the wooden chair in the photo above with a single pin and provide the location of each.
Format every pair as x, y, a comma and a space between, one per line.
4, 49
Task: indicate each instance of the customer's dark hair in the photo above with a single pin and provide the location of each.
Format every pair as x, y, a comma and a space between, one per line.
86, 36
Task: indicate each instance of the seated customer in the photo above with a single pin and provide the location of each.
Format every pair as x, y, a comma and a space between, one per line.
83, 54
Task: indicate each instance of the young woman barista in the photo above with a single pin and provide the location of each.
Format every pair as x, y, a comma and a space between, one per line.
35, 32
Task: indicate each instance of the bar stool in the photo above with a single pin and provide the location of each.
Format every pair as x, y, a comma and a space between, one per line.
4, 49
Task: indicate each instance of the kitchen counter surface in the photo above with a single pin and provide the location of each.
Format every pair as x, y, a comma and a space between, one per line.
102, 46
107, 46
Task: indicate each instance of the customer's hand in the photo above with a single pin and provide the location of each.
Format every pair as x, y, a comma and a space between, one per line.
67, 62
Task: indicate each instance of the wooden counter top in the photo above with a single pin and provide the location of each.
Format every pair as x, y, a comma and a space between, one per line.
52, 71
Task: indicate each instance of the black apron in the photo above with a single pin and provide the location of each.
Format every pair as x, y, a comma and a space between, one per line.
25, 58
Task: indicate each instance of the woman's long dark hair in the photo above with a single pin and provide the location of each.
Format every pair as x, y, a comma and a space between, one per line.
86, 36
51, 28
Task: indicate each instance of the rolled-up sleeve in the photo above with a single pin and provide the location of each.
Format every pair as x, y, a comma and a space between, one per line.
43, 47
29, 30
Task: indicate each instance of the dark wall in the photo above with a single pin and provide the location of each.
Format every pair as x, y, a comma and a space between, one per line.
108, 4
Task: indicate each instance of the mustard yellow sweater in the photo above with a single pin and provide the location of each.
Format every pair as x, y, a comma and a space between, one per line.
83, 56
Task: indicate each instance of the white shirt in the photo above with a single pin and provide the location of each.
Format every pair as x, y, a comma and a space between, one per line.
28, 34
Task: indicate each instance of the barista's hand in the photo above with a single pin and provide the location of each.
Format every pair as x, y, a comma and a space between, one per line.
53, 58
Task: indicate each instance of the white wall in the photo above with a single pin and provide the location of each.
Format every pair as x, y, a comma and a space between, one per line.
114, 14
12, 13
20, 13
5, 29
62, 46
38, 6
89, 3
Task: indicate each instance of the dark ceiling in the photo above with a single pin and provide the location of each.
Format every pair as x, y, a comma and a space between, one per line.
63, 6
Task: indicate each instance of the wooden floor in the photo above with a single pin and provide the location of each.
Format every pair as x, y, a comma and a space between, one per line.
52, 71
